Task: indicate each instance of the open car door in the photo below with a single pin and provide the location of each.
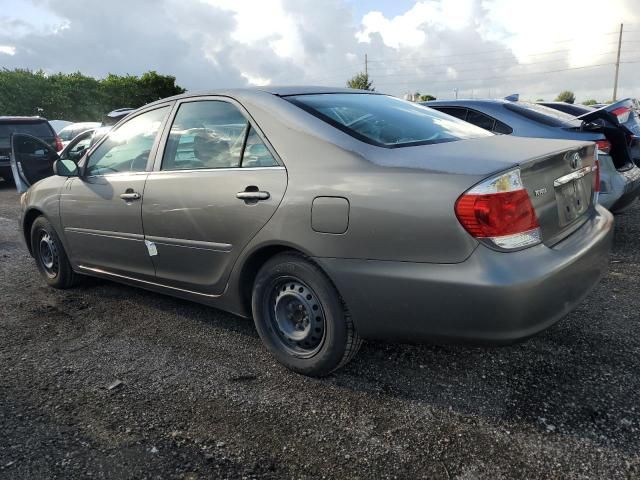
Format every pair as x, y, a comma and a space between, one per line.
31, 160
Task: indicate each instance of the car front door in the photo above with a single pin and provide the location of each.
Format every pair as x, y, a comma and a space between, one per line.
101, 209
31, 160
215, 186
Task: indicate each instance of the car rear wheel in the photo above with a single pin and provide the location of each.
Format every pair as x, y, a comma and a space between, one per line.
50, 255
301, 318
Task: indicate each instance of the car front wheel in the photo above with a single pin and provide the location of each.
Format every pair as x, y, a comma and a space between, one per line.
300, 316
50, 255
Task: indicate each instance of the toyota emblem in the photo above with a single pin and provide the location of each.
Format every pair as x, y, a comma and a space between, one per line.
576, 161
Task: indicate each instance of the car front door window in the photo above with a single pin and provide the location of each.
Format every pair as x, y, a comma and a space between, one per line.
205, 135
127, 148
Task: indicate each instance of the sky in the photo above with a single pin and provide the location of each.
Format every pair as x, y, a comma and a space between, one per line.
477, 48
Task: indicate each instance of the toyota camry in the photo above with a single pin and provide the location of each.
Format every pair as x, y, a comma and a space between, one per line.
328, 215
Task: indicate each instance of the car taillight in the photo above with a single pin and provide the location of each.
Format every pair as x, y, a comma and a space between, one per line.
596, 181
58, 144
603, 147
622, 113
499, 213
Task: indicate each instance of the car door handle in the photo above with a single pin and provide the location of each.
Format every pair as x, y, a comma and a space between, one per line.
130, 196
253, 195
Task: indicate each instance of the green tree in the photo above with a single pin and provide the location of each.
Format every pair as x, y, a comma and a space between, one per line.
566, 96
361, 81
78, 97
591, 101
427, 98
539, 99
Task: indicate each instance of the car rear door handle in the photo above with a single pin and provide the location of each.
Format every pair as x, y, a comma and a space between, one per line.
253, 195
130, 196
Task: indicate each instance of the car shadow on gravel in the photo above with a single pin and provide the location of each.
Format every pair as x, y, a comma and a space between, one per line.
571, 379
580, 377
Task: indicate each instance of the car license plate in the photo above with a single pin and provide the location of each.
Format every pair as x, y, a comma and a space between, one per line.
573, 200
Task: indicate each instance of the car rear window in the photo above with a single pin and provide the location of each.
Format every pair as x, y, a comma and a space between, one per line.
541, 114
386, 121
40, 129
37, 129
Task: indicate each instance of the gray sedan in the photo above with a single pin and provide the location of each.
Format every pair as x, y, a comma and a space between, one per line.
619, 177
330, 216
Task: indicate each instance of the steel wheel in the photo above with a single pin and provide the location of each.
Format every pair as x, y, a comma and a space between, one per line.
298, 321
48, 253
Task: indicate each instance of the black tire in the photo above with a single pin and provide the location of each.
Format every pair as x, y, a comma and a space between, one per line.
50, 255
301, 318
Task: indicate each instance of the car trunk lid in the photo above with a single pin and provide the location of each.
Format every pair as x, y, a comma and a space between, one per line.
561, 186
560, 208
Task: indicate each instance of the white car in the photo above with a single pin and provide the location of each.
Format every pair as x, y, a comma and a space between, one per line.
69, 132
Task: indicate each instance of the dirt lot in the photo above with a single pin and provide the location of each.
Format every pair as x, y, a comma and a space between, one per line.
201, 398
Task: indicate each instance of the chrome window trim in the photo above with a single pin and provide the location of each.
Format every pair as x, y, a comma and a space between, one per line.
224, 169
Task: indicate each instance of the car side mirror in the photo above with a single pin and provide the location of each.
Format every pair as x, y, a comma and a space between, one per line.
65, 168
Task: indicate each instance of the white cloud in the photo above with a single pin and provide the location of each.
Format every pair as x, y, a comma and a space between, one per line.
410, 29
265, 20
8, 49
258, 81
585, 29
490, 47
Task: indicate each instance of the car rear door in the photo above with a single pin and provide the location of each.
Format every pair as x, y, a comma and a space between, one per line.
215, 185
31, 160
101, 209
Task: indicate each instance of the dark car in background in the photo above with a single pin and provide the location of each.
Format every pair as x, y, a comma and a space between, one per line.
570, 108
619, 176
35, 126
623, 114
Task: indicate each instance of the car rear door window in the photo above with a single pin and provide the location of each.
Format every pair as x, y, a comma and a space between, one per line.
205, 134
502, 128
256, 153
480, 120
127, 148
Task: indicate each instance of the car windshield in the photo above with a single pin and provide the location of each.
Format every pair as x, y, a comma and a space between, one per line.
545, 115
386, 121
66, 134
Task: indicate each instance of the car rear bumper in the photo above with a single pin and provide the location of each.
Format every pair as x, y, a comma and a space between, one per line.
631, 190
491, 297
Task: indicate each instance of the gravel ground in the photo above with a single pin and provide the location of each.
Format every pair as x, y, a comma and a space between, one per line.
200, 397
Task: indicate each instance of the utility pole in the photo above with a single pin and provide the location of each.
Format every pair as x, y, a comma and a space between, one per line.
456, 92
615, 82
366, 65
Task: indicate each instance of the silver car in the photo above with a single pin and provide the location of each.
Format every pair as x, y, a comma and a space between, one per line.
619, 176
328, 215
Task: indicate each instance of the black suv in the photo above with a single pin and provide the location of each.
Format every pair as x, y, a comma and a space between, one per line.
36, 126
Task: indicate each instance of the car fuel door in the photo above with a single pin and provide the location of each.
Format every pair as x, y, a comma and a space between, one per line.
31, 160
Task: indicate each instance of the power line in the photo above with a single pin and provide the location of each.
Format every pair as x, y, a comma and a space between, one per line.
484, 68
501, 77
500, 50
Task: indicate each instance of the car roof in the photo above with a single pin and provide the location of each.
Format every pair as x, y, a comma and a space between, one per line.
14, 119
279, 91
